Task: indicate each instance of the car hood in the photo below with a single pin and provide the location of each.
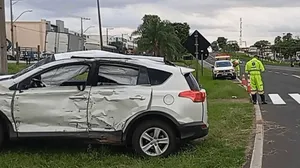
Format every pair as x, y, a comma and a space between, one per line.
223, 68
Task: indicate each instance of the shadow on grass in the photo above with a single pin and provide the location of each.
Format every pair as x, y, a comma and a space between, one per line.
71, 146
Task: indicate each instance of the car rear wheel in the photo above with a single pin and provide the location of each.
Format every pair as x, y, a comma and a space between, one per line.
154, 138
1, 136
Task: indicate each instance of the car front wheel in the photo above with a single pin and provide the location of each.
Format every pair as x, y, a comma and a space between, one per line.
154, 138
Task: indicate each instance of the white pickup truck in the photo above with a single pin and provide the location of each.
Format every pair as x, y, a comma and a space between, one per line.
223, 68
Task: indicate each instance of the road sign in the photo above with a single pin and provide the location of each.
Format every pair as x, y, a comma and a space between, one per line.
203, 44
197, 45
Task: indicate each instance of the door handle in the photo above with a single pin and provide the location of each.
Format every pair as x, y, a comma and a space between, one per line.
77, 97
138, 97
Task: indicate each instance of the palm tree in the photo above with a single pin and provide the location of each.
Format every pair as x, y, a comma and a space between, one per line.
158, 37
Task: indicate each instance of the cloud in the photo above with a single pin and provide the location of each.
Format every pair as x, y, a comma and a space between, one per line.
262, 19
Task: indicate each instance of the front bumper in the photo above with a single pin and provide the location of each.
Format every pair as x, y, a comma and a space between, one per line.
193, 130
225, 74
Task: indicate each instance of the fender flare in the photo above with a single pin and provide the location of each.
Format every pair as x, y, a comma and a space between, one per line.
8, 125
145, 114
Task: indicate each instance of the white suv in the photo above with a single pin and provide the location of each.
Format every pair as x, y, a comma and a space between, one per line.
223, 68
143, 103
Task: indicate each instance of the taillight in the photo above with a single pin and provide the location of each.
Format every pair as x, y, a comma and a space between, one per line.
195, 96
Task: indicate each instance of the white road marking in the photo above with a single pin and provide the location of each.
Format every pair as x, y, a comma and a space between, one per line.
296, 97
285, 74
277, 72
269, 71
276, 99
296, 76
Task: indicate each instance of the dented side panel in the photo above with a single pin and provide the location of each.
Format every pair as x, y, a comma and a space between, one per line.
51, 109
111, 107
6, 98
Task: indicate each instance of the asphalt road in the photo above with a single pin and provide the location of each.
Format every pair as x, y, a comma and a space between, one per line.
281, 116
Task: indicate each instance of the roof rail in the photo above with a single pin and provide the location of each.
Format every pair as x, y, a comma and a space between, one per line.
114, 57
82, 57
106, 57
169, 63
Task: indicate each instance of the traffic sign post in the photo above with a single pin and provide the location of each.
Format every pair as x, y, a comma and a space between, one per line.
197, 54
197, 44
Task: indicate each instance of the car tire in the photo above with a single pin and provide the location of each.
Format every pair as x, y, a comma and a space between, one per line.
233, 77
144, 132
1, 136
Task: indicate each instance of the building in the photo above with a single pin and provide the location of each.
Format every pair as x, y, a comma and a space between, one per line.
52, 38
128, 43
28, 34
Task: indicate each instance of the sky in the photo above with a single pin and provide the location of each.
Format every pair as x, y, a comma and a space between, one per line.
262, 19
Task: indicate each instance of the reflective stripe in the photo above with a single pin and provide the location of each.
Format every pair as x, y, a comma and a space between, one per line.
260, 92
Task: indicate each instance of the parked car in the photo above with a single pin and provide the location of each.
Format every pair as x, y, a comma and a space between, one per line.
143, 103
223, 68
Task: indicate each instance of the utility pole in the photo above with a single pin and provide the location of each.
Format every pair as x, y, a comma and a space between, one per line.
100, 25
12, 30
3, 44
107, 34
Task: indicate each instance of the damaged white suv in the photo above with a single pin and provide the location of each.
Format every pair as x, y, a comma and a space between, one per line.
134, 101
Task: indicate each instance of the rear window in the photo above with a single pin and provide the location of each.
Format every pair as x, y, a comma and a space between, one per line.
157, 77
192, 82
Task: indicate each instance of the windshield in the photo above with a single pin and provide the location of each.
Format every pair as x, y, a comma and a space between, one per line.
223, 64
38, 64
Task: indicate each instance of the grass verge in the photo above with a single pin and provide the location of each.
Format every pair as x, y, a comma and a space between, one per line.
230, 127
216, 89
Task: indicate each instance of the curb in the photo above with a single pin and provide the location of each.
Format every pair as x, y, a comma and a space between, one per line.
257, 153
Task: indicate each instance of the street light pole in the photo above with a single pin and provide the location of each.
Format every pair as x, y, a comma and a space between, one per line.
107, 34
100, 25
81, 25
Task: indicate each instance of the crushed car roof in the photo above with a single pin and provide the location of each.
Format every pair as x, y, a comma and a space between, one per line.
103, 54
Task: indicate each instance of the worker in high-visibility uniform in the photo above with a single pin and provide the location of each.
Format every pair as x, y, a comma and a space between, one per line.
254, 68
236, 65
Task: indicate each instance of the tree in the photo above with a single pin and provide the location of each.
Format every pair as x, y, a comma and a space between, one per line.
262, 44
287, 46
182, 31
214, 46
222, 41
158, 37
277, 40
287, 37
233, 47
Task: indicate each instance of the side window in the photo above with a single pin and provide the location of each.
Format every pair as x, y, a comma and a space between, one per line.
192, 82
158, 77
64, 74
117, 75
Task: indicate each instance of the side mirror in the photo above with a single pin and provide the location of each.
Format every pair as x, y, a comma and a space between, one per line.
212, 67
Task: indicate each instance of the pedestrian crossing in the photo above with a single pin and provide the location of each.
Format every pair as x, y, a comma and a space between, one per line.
279, 100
